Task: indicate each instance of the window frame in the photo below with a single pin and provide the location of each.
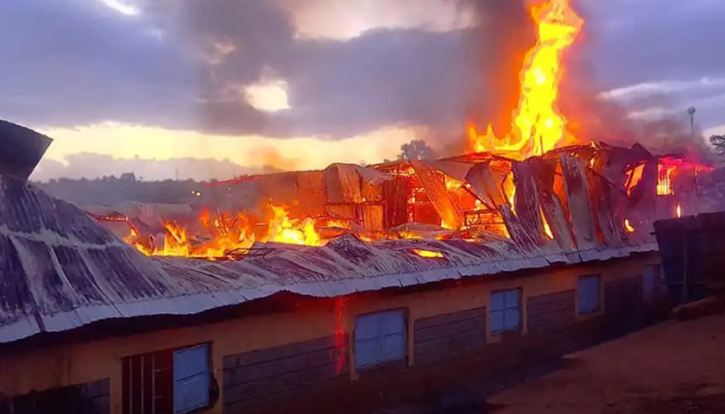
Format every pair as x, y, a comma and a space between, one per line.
356, 340
580, 294
164, 378
504, 311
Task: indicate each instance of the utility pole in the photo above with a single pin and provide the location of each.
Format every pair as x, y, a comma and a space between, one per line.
692, 111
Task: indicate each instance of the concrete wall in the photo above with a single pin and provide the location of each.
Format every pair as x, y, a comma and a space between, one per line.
451, 318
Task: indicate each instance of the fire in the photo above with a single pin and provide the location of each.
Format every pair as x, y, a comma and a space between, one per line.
628, 226
547, 229
634, 176
667, 167
340, 224
452, 183
230, 234
428, 254
678, 210
284, 230
664, 179
176, 242
538, 126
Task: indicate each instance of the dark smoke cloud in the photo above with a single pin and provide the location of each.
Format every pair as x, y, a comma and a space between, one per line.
338, 88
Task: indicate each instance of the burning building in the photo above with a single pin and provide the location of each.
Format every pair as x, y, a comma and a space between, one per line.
353, 285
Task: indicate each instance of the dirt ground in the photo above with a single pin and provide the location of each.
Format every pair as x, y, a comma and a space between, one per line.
673, 367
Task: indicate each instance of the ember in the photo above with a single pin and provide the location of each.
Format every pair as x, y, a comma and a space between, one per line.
664, 179
428, 254
628, 226
634, 176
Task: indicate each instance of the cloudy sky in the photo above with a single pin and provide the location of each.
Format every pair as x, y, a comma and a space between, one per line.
214, 88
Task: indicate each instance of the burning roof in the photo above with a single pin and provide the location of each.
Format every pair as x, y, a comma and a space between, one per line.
66, 270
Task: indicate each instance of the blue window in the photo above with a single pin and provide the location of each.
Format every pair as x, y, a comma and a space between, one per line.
168, 381
587, 294
191, 379
379, 338
505, 310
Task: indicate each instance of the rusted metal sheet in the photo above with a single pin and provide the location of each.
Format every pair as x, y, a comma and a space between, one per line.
350, 183
245, 196
343, 211
603, 201
577, 192
456, 170
280, 189
333, 187
518, 232
372, 217
370, 175
551, 205
484, 184
528, 208
372, 193
311, 192
395, 197
436, 189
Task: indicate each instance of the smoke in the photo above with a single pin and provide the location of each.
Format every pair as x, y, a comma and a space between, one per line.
273, 161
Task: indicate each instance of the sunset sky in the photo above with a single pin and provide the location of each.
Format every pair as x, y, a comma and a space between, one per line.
216, 88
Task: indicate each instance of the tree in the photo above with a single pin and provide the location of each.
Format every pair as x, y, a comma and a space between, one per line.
416, 150
718, 143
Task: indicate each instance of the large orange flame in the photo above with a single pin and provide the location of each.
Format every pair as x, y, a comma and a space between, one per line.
229, 233
538, 126
284, 230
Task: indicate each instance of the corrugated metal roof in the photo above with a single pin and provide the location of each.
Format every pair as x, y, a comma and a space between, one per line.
62, 270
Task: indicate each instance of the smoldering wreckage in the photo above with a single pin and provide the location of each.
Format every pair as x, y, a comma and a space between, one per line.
271, 291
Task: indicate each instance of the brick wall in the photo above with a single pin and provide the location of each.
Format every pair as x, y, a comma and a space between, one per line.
88, 398
264, 380
450, 336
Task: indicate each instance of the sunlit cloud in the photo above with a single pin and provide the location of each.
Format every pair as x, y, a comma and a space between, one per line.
122, 8
333, 19
665, 87
268, 96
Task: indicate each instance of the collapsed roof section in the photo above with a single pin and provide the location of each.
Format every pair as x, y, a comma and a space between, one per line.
471, 197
